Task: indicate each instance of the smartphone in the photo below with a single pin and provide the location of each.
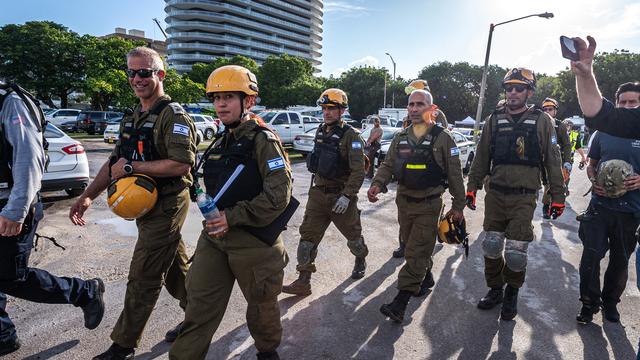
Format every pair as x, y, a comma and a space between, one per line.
568, 47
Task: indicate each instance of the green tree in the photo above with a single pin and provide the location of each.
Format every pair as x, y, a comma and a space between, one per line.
182, 89
287, 80
43, 57
200, 71
365, 88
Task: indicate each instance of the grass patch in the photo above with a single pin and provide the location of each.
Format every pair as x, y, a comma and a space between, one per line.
80, 136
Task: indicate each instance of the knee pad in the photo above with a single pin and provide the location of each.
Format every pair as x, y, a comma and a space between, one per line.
358, 247
307, 252
493, 244
515, 255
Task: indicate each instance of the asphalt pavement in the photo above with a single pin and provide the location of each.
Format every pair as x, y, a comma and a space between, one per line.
340, 320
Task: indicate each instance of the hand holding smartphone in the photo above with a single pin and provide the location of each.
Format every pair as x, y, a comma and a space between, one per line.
569, 50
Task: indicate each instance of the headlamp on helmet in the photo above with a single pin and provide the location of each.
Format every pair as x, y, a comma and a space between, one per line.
333, 97
520, 76
454, 232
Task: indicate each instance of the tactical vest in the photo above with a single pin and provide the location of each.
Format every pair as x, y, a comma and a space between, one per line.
222, 161
415, 166
325, 159
6, 150
516, 143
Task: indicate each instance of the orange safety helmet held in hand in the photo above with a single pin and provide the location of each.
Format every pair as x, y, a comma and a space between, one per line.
131, 197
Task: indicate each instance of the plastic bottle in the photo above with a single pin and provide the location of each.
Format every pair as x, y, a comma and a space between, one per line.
207, 207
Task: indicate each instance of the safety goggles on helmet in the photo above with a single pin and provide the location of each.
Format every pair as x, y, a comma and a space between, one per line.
333, 97
142, 73
454, 232
520, 76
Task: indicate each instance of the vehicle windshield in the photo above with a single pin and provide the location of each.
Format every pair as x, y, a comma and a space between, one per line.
267, 115
52, 132
387, 134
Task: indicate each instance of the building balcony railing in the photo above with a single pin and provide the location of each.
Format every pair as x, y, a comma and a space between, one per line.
205, 36
171, 24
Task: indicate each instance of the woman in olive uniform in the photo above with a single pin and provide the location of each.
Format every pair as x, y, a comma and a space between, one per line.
227, 251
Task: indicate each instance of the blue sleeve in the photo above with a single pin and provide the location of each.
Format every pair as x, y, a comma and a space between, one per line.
27, 169
616, 121
594, 150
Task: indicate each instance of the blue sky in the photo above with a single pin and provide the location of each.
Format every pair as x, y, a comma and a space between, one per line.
415, 32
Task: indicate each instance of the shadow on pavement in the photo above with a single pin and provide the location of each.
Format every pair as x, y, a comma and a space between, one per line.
54, 351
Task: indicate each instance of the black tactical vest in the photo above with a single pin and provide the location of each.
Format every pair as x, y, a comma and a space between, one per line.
415, 166
137, 144
223, 159
325, 159
516, 143
6, 150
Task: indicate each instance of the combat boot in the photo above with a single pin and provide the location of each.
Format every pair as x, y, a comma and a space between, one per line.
545, 211
395, 310
358, 268
399, 252
611, 312
586, 314
116, 352
172, 334
510, 304
301, 286
9, 346
426, 284
271, 355
489, 301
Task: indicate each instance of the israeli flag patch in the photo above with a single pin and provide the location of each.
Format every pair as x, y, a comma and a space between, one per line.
356, 145
181, 129
275, 164
455, 151
554, 140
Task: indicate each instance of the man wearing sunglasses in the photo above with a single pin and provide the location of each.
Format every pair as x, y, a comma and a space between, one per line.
157, 140
516, 144
550, 106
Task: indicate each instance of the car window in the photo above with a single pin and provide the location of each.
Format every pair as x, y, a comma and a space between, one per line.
280, 119
52, 132
306, 119
294, 118
459, 138
197, 118
267, 116
66, 113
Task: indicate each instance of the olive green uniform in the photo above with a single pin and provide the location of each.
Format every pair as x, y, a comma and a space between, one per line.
322, 197
220, 261
511, 198
562, 138
159, 257
419, 210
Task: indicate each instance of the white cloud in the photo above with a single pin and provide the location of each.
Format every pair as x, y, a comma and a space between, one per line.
365, 61
342, 7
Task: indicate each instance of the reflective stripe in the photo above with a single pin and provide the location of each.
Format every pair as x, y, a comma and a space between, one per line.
416, 166
529, 121
503, 121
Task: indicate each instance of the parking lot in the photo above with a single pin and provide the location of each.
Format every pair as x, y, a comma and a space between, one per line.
340, 320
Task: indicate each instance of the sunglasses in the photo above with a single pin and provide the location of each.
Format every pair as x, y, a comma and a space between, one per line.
517, 87
548, 108
143, 73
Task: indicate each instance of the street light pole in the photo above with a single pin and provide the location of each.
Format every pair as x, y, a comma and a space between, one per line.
483, 85
393, 90
384, 99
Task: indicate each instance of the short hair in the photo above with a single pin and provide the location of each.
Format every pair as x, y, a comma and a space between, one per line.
627, 87
149, 54
426, 93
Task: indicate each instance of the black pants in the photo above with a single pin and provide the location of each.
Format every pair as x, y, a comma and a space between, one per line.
19, 280
604, 230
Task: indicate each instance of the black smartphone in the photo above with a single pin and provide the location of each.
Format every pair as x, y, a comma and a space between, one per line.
568, 47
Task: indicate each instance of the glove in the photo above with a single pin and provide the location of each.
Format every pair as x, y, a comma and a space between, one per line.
555, 210
568, 166
471, 199
581, 165
341, 205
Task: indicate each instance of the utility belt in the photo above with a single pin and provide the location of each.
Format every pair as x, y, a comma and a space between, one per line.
330, 189
414, 200
506, 190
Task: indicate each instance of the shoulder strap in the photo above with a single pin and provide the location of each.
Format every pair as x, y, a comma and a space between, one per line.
437, 130
160, 107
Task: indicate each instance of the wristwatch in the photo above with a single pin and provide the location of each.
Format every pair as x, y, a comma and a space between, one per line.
128, 168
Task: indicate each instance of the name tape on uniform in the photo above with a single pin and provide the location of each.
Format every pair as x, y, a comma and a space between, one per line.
356, 145
181, 129
455, 151
275, 164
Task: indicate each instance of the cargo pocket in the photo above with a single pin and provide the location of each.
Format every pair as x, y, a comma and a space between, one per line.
269, 277
14, 268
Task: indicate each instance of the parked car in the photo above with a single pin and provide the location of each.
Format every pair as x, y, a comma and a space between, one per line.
387, 135
206, 124
69, 126
112, 133
311, 122
59, 116
68, 167
287, 124
303, 143
95, 122
468, 133
384, 121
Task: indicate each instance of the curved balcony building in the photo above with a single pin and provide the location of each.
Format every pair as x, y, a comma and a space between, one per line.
202, 30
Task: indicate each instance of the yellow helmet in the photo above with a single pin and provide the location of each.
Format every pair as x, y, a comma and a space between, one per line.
333, 97
418, 84
550, 102
452, 232
520, 76
232, 78
132, 196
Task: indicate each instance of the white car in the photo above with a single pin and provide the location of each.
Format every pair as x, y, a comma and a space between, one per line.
468, 133
205, 124
287, 124
466, 147
388, 133
303, 143
112, 133
61, 116
68, 167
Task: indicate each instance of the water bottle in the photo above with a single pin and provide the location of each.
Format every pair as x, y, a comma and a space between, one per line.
207, 207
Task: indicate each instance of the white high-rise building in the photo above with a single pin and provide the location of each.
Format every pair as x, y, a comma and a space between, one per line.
202, 30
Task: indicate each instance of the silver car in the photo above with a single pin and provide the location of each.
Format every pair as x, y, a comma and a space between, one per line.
68, 168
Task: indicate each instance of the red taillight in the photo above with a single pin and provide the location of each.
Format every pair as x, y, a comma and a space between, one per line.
74, 149
297, 138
